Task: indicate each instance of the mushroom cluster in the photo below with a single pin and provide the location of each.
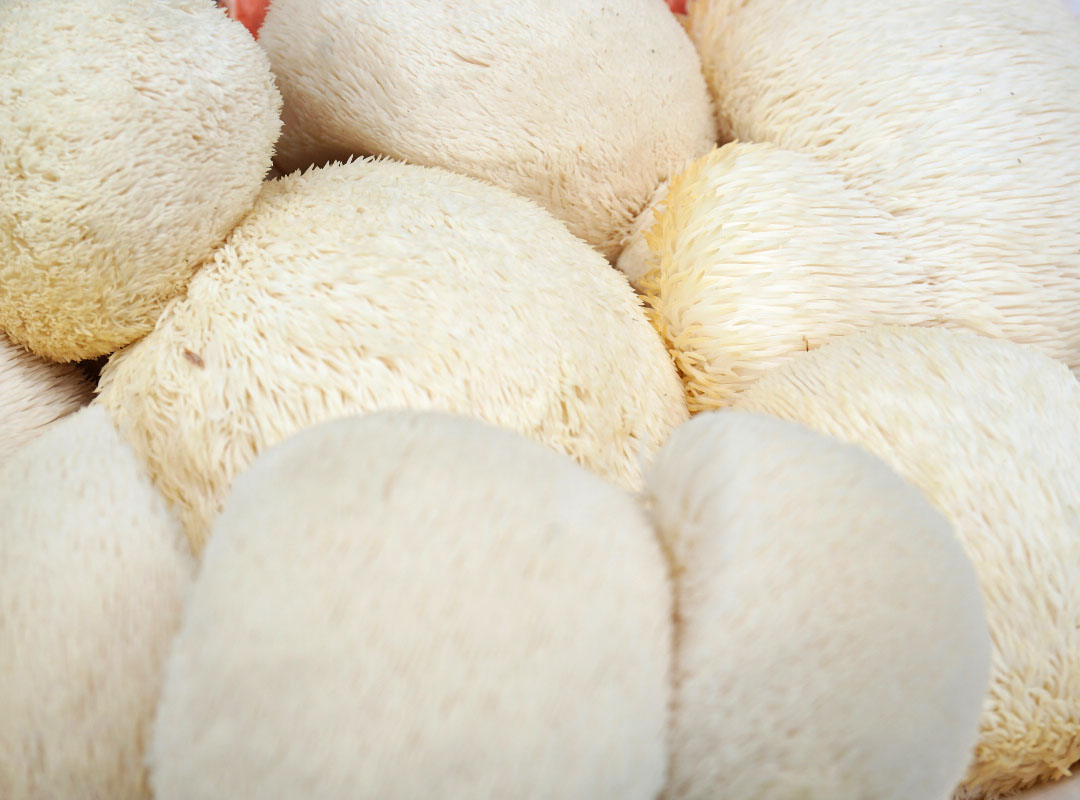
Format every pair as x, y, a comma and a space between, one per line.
630, 399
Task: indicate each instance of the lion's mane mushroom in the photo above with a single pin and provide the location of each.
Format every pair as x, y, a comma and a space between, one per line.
93, 567
134, 134
990, 431
438, 608
375, 285
831, 641
957, 119
584, 107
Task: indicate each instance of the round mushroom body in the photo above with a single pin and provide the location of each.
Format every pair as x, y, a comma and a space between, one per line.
134, 134
583, 107
758, 254
831, 640
93, 567
376, 285
34, 393
445, 609
959, 121
990, 431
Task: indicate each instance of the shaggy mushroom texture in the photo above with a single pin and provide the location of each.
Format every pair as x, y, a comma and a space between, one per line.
34, 393
134, 134
93, 567
958, 119
375, 285
990, 431
831, 641
584, 107
444, 609
759, 254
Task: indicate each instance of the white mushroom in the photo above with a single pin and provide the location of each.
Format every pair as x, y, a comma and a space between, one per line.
34, 393
376, 285
990, 431
134, 134
758, 254
584, 107
93, 567
959, 120
831, 640
407, 605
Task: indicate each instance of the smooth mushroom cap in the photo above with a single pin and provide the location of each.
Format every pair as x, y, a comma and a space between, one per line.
93, 567
959, 120
831, 642
759, 254
406, 605
584, 107
990, 431
134, 134
34, 393
375, 285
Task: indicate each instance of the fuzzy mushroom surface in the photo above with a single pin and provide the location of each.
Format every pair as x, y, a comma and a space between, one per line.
134, 134
374, 285
34, 393
959, 120
445, 609
584, 107
93, 567
990, 431
831, 640
758, 254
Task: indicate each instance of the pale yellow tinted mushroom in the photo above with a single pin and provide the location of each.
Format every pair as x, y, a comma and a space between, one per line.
134, 134
378, 285
959, 120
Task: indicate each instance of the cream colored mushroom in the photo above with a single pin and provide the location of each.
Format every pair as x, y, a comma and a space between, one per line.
759, 253
407, 605
957, 120
377, 285
831, 640
34, 393
583, 107
134, 134
990, 431
93, 567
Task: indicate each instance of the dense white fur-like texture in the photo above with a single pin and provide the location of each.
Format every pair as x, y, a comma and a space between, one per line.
34, 393
405, 605
584, 107
760, 253
134, 134
93, 567
958, 118
375, 285
831, 641
990, 431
